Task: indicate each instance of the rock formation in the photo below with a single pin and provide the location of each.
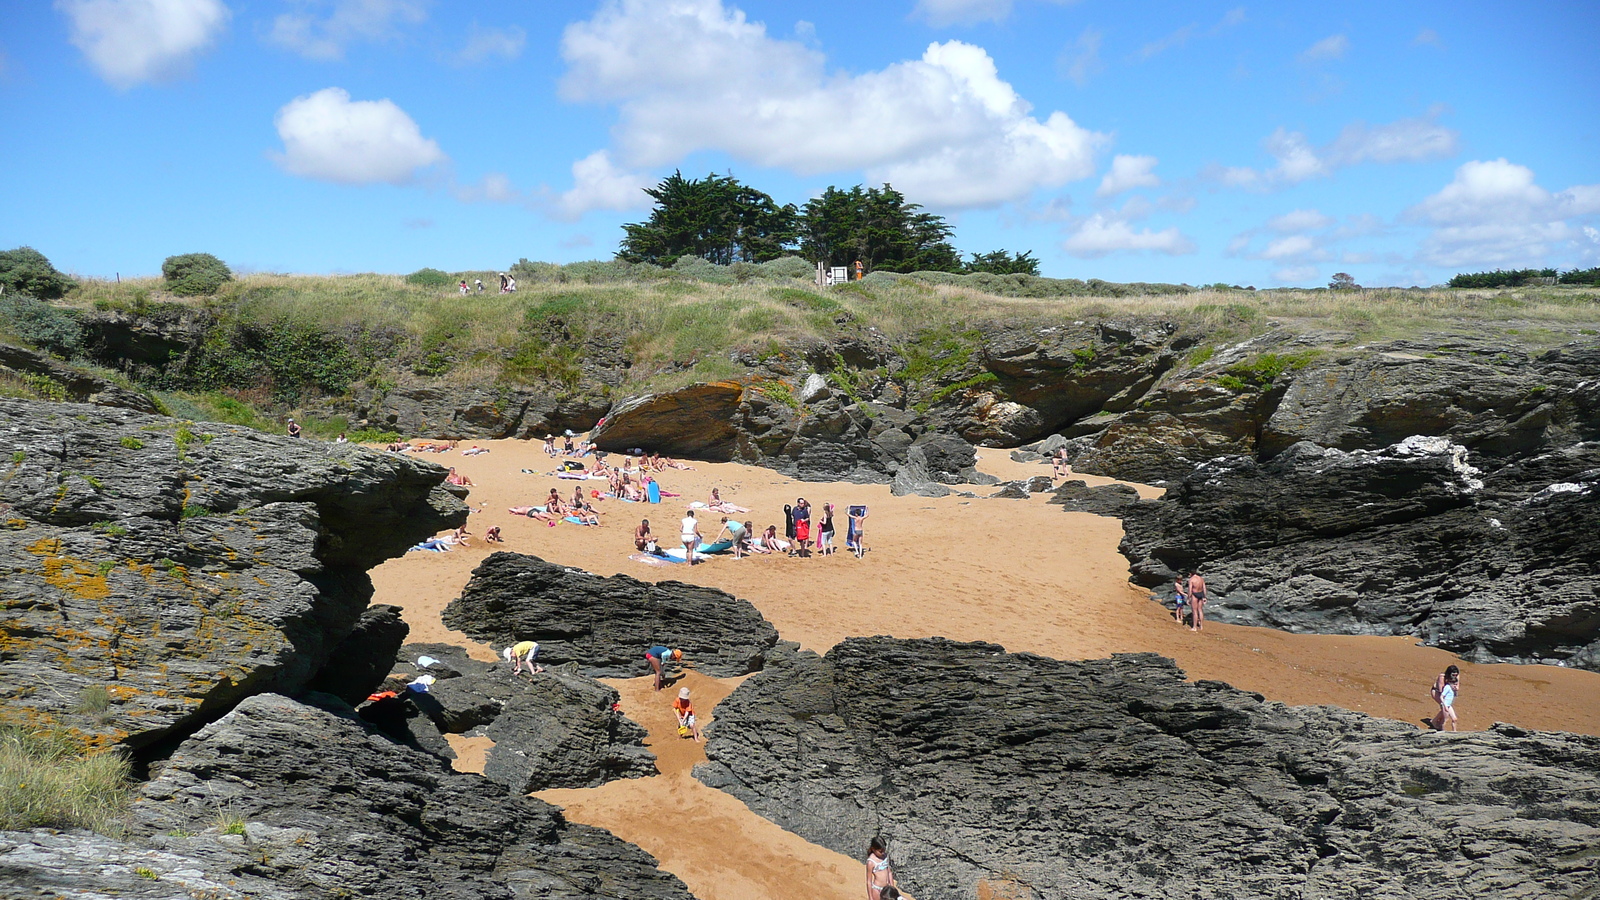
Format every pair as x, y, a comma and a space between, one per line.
604, 625
1407, 540
160, 571
549, 730
1106, 500
73, 383
1117, 778
285, 799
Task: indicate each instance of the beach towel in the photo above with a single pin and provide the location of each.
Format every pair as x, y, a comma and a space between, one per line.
788, 521
575, 520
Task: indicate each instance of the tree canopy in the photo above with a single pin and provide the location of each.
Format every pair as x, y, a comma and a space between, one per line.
716, 218
192, 274
879, 228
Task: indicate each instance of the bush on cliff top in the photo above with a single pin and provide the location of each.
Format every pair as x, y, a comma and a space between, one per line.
46, 781
194, 274
27, 271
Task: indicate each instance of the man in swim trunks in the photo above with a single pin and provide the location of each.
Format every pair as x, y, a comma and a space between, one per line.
658, 657
1197, 601
522, 654
642, 538
802, 526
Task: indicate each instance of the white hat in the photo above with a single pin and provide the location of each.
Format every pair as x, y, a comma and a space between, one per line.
683, 693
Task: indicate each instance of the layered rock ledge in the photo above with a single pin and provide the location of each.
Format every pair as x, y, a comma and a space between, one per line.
604, 625
1037, 778
160, 571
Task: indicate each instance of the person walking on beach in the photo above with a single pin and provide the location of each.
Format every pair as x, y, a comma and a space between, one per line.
880, 874
1197, 601
1060, 462
1445, 688
736, 535
690, 532
658, 657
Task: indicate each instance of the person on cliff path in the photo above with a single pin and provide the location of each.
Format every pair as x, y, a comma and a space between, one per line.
657, 657
294, 429
1197, 601
690, 533
684, 708
1445, 688
522, 654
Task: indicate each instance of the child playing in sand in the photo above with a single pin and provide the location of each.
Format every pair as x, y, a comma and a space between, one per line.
492, 535
522, 654
684, 707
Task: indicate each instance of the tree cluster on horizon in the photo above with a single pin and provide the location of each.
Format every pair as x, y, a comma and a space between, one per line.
722, 220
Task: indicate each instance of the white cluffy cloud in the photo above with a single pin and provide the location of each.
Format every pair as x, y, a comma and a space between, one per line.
1404, 140
597, 183
694, 75
329, 137
134, 41
1127, 173
1102, 234
1494, 214
324, 37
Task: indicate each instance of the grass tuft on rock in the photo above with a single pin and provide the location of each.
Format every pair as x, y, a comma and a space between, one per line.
47, 781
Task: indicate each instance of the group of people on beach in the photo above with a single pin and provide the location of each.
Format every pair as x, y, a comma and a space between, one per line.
799, 538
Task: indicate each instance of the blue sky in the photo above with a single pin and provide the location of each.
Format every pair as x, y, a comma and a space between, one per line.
1265, 144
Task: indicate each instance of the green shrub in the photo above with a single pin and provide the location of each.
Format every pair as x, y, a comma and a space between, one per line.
194, 274
50, 328
778, 391
431, 278
27, 271
46, 781
1267, 367
131, 443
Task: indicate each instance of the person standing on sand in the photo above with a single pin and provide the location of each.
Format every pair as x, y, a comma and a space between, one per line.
1197, 601
1060, 462
690, 533
657, 657
1182, 599
802, 526
879, 873
825, 531
858, 529
1445, 688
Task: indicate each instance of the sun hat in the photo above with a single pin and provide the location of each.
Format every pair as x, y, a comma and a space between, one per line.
683, 693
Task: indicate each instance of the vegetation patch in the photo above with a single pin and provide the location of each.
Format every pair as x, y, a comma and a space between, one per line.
948, 390
1266, 368
131, 443
47, 781
779, 392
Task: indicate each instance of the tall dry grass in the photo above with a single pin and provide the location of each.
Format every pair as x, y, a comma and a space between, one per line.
47, 781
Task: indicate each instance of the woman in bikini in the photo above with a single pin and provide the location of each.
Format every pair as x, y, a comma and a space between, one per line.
879, 873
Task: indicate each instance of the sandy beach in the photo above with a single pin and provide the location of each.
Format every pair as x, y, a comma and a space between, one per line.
1020, 573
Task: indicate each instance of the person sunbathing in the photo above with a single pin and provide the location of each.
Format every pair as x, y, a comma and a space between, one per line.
458, 479
585, 514
771, 541
717, 504
474, 450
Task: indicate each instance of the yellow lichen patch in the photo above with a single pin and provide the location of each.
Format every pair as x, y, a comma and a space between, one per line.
16, 524
75, 576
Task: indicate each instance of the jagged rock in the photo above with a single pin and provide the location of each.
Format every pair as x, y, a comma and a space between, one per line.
562, 731
1408, 540
360, 662
814, 388
1011, 490
78, 385
1178, 427
933, 461
971, 475
1111, 779
87, 866
180, 567
1105, 500
331, 807
829, 439
695, 421
456, 411
604, 625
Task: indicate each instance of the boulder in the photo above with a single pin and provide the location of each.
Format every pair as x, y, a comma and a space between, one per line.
1105, 500
1116, 778
1407, 540
933, 461
828, 439
310, 798
360, 662
604, 625
160, 571
564, 731
1011, 490
814, 388
695, 421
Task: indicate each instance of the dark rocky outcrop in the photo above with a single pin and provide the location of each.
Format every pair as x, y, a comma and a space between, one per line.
282, 799
1117, 778
1105, 500
604, 625
178, 567
932, 462
1406, 540
696, 421
455, 411
554, 729
361, 661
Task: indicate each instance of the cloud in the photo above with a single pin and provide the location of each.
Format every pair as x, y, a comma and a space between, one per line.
1326, 50
484, 44
1405, 140
324, 37
1127, 173
1298, 274
940, 13
597, 183
134, 41
1081, 61
1182, 36
1300, 220
329, 137
695, 75
1493, 213
1295, 246
1101, 234
1427, 37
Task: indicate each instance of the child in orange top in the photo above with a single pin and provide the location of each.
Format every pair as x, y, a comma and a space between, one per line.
685, 710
